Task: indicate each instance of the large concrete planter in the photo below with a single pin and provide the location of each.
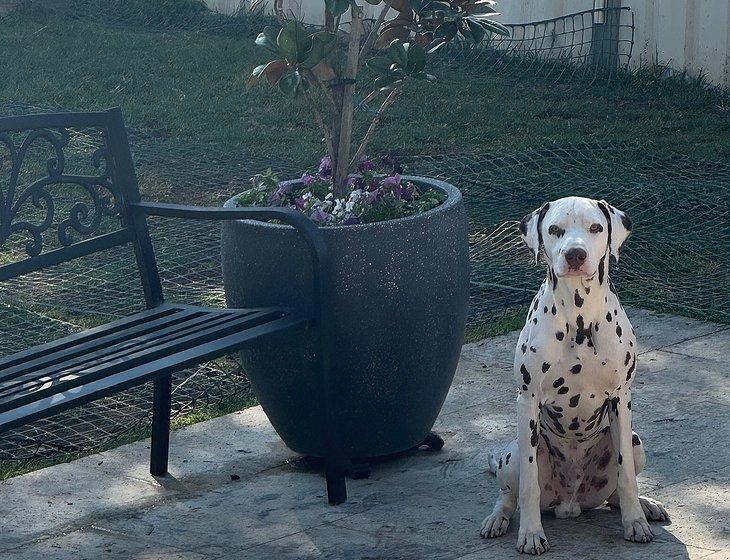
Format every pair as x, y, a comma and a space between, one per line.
399, 307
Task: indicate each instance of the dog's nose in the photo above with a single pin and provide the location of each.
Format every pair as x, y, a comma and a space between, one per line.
576, 257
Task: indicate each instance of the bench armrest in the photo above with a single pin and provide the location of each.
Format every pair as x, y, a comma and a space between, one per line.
304, 226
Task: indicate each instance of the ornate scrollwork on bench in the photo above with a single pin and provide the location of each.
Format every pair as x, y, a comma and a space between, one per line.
43, 194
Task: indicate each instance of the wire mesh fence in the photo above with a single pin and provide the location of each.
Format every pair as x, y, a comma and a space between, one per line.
678, 258
588, 45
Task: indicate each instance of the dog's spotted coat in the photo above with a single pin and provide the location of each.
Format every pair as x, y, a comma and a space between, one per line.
574, 364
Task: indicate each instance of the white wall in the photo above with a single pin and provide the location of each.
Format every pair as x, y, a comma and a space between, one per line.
687, 34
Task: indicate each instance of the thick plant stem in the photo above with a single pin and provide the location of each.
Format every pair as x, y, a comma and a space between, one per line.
341, 160
394, 93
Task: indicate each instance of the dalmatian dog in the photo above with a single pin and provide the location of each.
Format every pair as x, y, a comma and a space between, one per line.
574, 365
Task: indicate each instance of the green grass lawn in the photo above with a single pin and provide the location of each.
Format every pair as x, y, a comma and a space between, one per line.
190, 85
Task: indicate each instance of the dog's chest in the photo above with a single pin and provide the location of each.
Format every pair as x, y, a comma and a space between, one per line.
576, 362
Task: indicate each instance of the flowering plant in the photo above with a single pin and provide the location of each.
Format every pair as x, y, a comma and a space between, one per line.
321, 66
370, 196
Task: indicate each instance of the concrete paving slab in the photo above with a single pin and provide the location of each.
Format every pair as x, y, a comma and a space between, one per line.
423, 505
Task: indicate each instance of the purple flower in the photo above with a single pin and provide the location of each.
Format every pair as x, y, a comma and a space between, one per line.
392, 181
320, 215
403, 192
351, 220
365, 165
300, 203
308, 179
325, 167
276, 198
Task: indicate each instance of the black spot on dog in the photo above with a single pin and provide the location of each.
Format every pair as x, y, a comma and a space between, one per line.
533, 349
588, 290
626, 221
535, 320
627, 359
601, 269
545, 367
555, 279
506, 460
583, 333
559, 335
635, 440
576, 369
618, 330
578, 300
563, 390
596, 326
620, 459
525, 374
574, 400
574, 425
530, 459
500, 463
628, 405
553, 310
558, 382
524, 387
544, 309
524, 348
608, 316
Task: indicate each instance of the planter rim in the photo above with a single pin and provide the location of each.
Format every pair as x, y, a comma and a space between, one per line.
453, 197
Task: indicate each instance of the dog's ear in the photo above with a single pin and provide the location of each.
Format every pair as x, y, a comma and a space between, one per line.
619, 227
531, 230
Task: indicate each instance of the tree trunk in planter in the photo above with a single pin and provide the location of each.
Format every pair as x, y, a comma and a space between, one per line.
399, 310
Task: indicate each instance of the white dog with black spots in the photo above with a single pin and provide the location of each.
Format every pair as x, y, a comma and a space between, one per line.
574, 365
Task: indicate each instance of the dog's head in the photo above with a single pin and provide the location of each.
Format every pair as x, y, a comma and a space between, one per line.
574, 234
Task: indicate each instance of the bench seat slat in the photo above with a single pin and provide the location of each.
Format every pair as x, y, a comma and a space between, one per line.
105, 386
197, 328
50, 360
103, 350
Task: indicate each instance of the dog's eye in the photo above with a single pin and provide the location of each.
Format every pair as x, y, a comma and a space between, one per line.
556, 230
596, 228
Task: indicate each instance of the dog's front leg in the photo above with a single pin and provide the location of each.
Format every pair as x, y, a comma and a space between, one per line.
632, 516
531, 538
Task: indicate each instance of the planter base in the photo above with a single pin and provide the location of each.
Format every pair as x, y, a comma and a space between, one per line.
356, 469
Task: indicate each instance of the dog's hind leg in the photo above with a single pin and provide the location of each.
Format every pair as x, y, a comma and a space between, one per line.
506, 467
653, 509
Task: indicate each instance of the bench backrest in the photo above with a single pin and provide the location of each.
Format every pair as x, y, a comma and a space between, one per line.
63, 196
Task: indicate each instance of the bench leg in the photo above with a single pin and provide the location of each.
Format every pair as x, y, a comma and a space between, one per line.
161, 406
335, 471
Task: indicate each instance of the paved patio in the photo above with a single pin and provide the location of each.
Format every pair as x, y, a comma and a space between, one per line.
236, 491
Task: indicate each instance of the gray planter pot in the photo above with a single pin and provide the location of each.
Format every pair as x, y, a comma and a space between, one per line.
400, 305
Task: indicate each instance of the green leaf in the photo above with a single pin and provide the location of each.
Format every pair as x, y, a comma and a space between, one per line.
416, 57
397, 53
290, 82
493, 26
293, 41
435, 45
446, 31
337, 7
380, 64
477, 31
323, 42
424, 76
267, 40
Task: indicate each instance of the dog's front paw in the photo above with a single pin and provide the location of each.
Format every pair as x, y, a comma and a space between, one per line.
637, 530
532, 542
653, 509
494, 526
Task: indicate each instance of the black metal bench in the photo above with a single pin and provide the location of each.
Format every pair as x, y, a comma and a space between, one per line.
146, 346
